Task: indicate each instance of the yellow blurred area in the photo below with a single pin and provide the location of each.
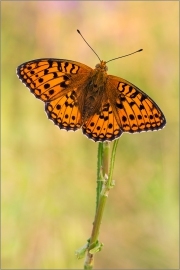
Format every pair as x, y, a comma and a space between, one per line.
49, 175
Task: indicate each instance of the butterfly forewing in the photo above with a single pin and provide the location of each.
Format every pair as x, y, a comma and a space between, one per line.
136, 111
49, 78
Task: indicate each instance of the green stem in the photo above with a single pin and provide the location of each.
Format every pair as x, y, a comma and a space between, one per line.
109, 182
94, 245
106, 147
99, 173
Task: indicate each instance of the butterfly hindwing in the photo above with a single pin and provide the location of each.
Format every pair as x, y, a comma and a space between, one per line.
102, 126
64, 112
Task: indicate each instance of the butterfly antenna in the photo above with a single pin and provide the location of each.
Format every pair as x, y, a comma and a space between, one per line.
124, 55
88, 44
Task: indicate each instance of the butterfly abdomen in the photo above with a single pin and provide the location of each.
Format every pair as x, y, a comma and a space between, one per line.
95, 91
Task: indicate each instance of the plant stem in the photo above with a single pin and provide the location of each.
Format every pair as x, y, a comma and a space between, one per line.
94, 245
109, 182
102, 167
99, 173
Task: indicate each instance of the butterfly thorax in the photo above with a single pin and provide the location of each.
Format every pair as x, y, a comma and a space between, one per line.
99, 74
95, 90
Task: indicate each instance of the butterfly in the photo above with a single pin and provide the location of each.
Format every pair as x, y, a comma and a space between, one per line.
77, 96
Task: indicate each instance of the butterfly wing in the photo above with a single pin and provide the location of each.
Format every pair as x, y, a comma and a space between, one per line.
102, 126
134, 110
125, 108
57, 82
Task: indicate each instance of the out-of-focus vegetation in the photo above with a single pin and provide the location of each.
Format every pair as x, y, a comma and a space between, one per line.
49, 175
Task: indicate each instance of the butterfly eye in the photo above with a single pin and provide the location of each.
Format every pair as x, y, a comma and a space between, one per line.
97, 66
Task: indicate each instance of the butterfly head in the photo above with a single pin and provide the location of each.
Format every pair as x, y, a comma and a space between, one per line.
102, 66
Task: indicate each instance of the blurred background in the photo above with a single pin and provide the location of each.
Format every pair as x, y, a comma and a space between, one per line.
49, 175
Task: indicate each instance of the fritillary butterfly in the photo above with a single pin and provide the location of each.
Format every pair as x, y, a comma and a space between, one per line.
77, 96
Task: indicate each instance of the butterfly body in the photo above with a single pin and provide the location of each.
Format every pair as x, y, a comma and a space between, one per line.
77, 96
94, 92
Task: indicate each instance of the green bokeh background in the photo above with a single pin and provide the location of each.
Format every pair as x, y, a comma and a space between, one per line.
49, 175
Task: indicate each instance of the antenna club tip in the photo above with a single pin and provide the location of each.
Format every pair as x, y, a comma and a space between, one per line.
78, 31
140, 50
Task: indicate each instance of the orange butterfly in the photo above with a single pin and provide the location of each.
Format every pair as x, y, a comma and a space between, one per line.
77, 96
